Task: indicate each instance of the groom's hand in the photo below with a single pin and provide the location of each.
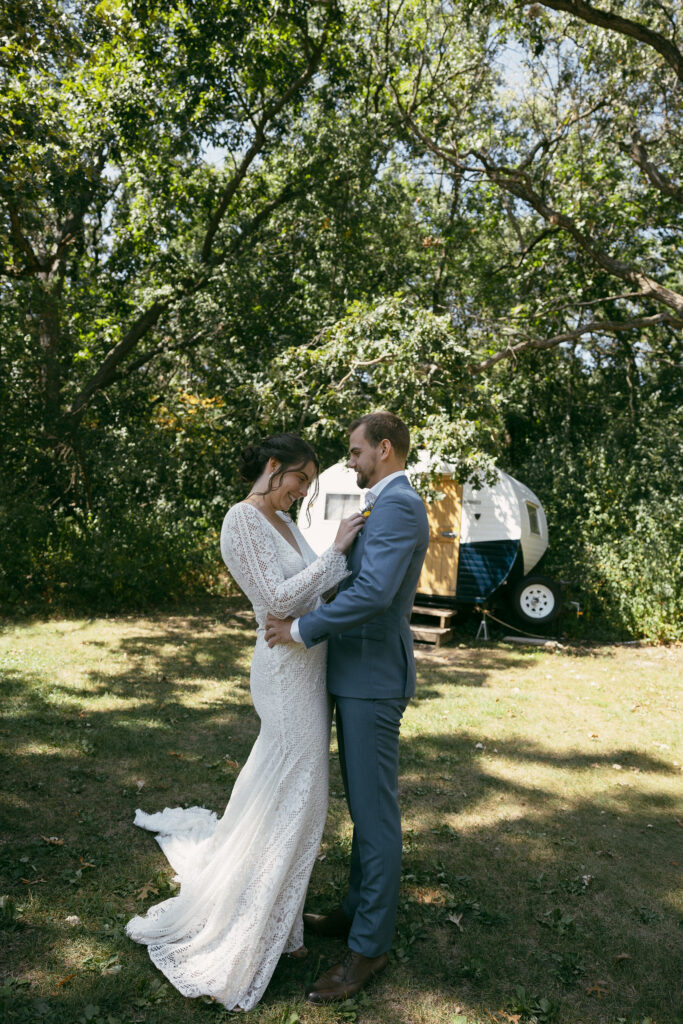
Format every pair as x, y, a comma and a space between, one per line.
278, 631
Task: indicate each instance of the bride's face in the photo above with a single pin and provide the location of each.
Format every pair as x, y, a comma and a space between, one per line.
292, 485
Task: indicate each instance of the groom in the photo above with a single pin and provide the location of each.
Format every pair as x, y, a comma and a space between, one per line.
371, 675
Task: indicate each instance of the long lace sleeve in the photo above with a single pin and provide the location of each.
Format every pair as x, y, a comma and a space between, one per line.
249, 550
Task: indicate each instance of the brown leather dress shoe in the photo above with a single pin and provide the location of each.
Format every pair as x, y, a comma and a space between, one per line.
335, 925
346, 978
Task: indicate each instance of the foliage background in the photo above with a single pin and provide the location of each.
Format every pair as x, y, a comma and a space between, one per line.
219, 220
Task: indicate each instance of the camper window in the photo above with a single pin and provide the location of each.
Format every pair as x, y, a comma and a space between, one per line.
338, 506
533, 518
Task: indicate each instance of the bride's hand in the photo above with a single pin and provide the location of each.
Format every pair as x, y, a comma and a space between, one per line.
349, 529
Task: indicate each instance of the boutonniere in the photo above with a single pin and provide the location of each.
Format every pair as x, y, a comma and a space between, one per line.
368, 508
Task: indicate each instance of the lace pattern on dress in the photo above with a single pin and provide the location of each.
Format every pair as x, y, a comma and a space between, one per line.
243, 877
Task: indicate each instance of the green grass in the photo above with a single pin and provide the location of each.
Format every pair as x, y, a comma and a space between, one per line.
543, 826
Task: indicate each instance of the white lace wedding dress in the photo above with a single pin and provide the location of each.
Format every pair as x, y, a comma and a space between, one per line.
243, 878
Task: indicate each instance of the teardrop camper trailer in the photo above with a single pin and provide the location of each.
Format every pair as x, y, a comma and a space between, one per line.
481, 539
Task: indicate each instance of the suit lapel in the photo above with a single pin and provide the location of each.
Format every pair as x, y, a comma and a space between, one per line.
356, 553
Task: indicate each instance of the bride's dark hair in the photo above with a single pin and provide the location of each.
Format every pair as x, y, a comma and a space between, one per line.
291, 451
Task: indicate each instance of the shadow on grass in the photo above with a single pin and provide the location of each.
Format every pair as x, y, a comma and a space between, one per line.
463, 672
456, 747
484, 908
572, 897
131, 733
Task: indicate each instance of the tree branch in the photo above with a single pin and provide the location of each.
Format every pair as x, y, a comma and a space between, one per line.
524, 252
7, 270
623, 26
73, 222
247, 230
359, 362
594, 327
107, 370
520, 186
147, 357
21, 242
270, 112
637, 150
449, 155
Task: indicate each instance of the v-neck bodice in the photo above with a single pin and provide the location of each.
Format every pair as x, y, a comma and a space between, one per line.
276, 577
284, 518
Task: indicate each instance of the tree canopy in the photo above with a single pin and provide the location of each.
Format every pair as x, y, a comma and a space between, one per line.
218, 219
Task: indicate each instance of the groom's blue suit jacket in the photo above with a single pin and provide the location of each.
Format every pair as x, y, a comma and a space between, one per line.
370, 650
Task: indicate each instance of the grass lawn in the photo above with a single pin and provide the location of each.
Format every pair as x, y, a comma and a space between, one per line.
542, 813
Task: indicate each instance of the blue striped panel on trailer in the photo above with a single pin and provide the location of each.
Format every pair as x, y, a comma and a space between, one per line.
483, 567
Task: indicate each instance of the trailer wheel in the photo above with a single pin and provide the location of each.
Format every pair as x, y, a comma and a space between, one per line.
537, 600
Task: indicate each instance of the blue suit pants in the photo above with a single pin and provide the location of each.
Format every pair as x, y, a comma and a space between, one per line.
367, 734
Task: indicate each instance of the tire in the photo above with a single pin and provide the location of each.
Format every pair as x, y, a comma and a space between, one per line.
537, 600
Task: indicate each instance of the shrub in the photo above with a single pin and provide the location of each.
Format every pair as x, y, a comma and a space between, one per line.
109, 560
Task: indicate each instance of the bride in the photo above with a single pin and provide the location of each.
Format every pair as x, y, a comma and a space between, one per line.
243, 878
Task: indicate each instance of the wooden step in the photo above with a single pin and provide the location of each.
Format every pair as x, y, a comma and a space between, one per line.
444, 615
436, 635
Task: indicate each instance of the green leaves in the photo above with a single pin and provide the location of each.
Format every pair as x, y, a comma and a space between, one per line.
221, 219
394, 355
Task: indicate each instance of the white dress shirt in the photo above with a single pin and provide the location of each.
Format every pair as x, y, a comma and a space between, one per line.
372, 494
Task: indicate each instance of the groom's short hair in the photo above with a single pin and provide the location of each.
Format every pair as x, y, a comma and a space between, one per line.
379, 426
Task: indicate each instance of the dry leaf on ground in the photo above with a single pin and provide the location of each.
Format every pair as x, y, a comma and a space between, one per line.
148, 889
64, 981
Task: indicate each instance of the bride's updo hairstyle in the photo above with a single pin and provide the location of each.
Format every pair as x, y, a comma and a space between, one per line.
291, 451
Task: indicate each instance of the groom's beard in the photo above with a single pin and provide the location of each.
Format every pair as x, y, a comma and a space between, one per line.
363, 476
